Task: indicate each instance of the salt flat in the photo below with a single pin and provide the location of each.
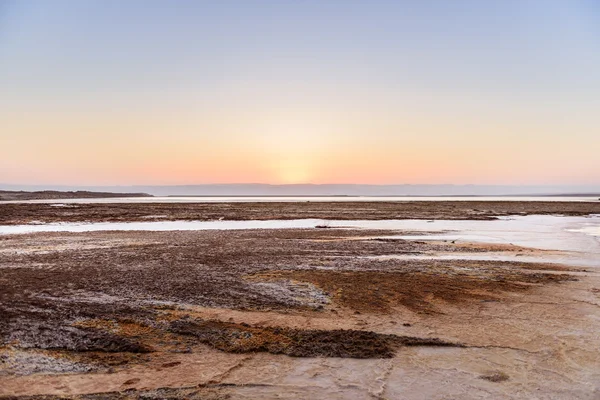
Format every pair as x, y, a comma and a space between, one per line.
501, 307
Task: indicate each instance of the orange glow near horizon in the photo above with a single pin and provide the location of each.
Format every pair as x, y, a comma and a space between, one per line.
299, 148
299, 92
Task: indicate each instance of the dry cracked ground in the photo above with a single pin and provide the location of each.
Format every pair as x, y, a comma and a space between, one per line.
297, 313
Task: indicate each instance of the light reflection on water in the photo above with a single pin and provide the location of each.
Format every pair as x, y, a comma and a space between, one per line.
539, 231
590, 230
578, 237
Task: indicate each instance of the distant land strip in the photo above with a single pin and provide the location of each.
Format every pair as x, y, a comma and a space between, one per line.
6, 195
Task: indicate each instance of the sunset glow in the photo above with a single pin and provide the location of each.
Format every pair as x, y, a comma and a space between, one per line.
321, 92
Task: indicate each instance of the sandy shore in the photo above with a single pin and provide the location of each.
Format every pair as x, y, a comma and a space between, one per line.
296, 313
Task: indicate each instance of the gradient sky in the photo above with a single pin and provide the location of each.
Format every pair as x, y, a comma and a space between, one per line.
322, 91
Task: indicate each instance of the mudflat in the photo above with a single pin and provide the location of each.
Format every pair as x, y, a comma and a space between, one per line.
11, 214
296, 313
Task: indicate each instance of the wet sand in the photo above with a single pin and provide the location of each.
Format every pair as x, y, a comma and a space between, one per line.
294, 313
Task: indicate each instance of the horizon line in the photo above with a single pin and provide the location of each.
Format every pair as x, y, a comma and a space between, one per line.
300, 184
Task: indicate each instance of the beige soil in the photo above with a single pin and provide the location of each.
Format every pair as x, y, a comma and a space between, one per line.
289, 314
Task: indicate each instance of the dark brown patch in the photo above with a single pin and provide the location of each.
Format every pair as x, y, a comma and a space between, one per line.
380, 291
184, 393
170, 364
243, 338
495, 377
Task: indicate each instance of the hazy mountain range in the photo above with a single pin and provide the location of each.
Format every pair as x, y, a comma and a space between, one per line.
326, 189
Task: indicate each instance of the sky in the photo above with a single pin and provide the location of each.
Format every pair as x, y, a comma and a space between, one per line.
149, 92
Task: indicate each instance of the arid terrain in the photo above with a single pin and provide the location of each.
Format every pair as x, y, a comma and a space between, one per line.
293, 313
11, 213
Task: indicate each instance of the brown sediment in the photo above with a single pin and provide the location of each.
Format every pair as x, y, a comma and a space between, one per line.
150, 334
495, 247
243, 338
104, 301
45, 296
381, 291
453, 210
188, 393
495, 377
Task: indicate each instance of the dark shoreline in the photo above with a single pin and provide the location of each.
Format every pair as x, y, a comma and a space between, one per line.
9, 195
23, 213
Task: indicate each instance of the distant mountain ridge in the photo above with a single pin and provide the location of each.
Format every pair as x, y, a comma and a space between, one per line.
258, 189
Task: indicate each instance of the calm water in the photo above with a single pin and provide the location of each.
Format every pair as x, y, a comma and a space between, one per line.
590, 230
575, 237
246, 199
542, 231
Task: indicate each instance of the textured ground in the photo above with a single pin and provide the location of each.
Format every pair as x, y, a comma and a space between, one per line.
297, 313
482, 210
